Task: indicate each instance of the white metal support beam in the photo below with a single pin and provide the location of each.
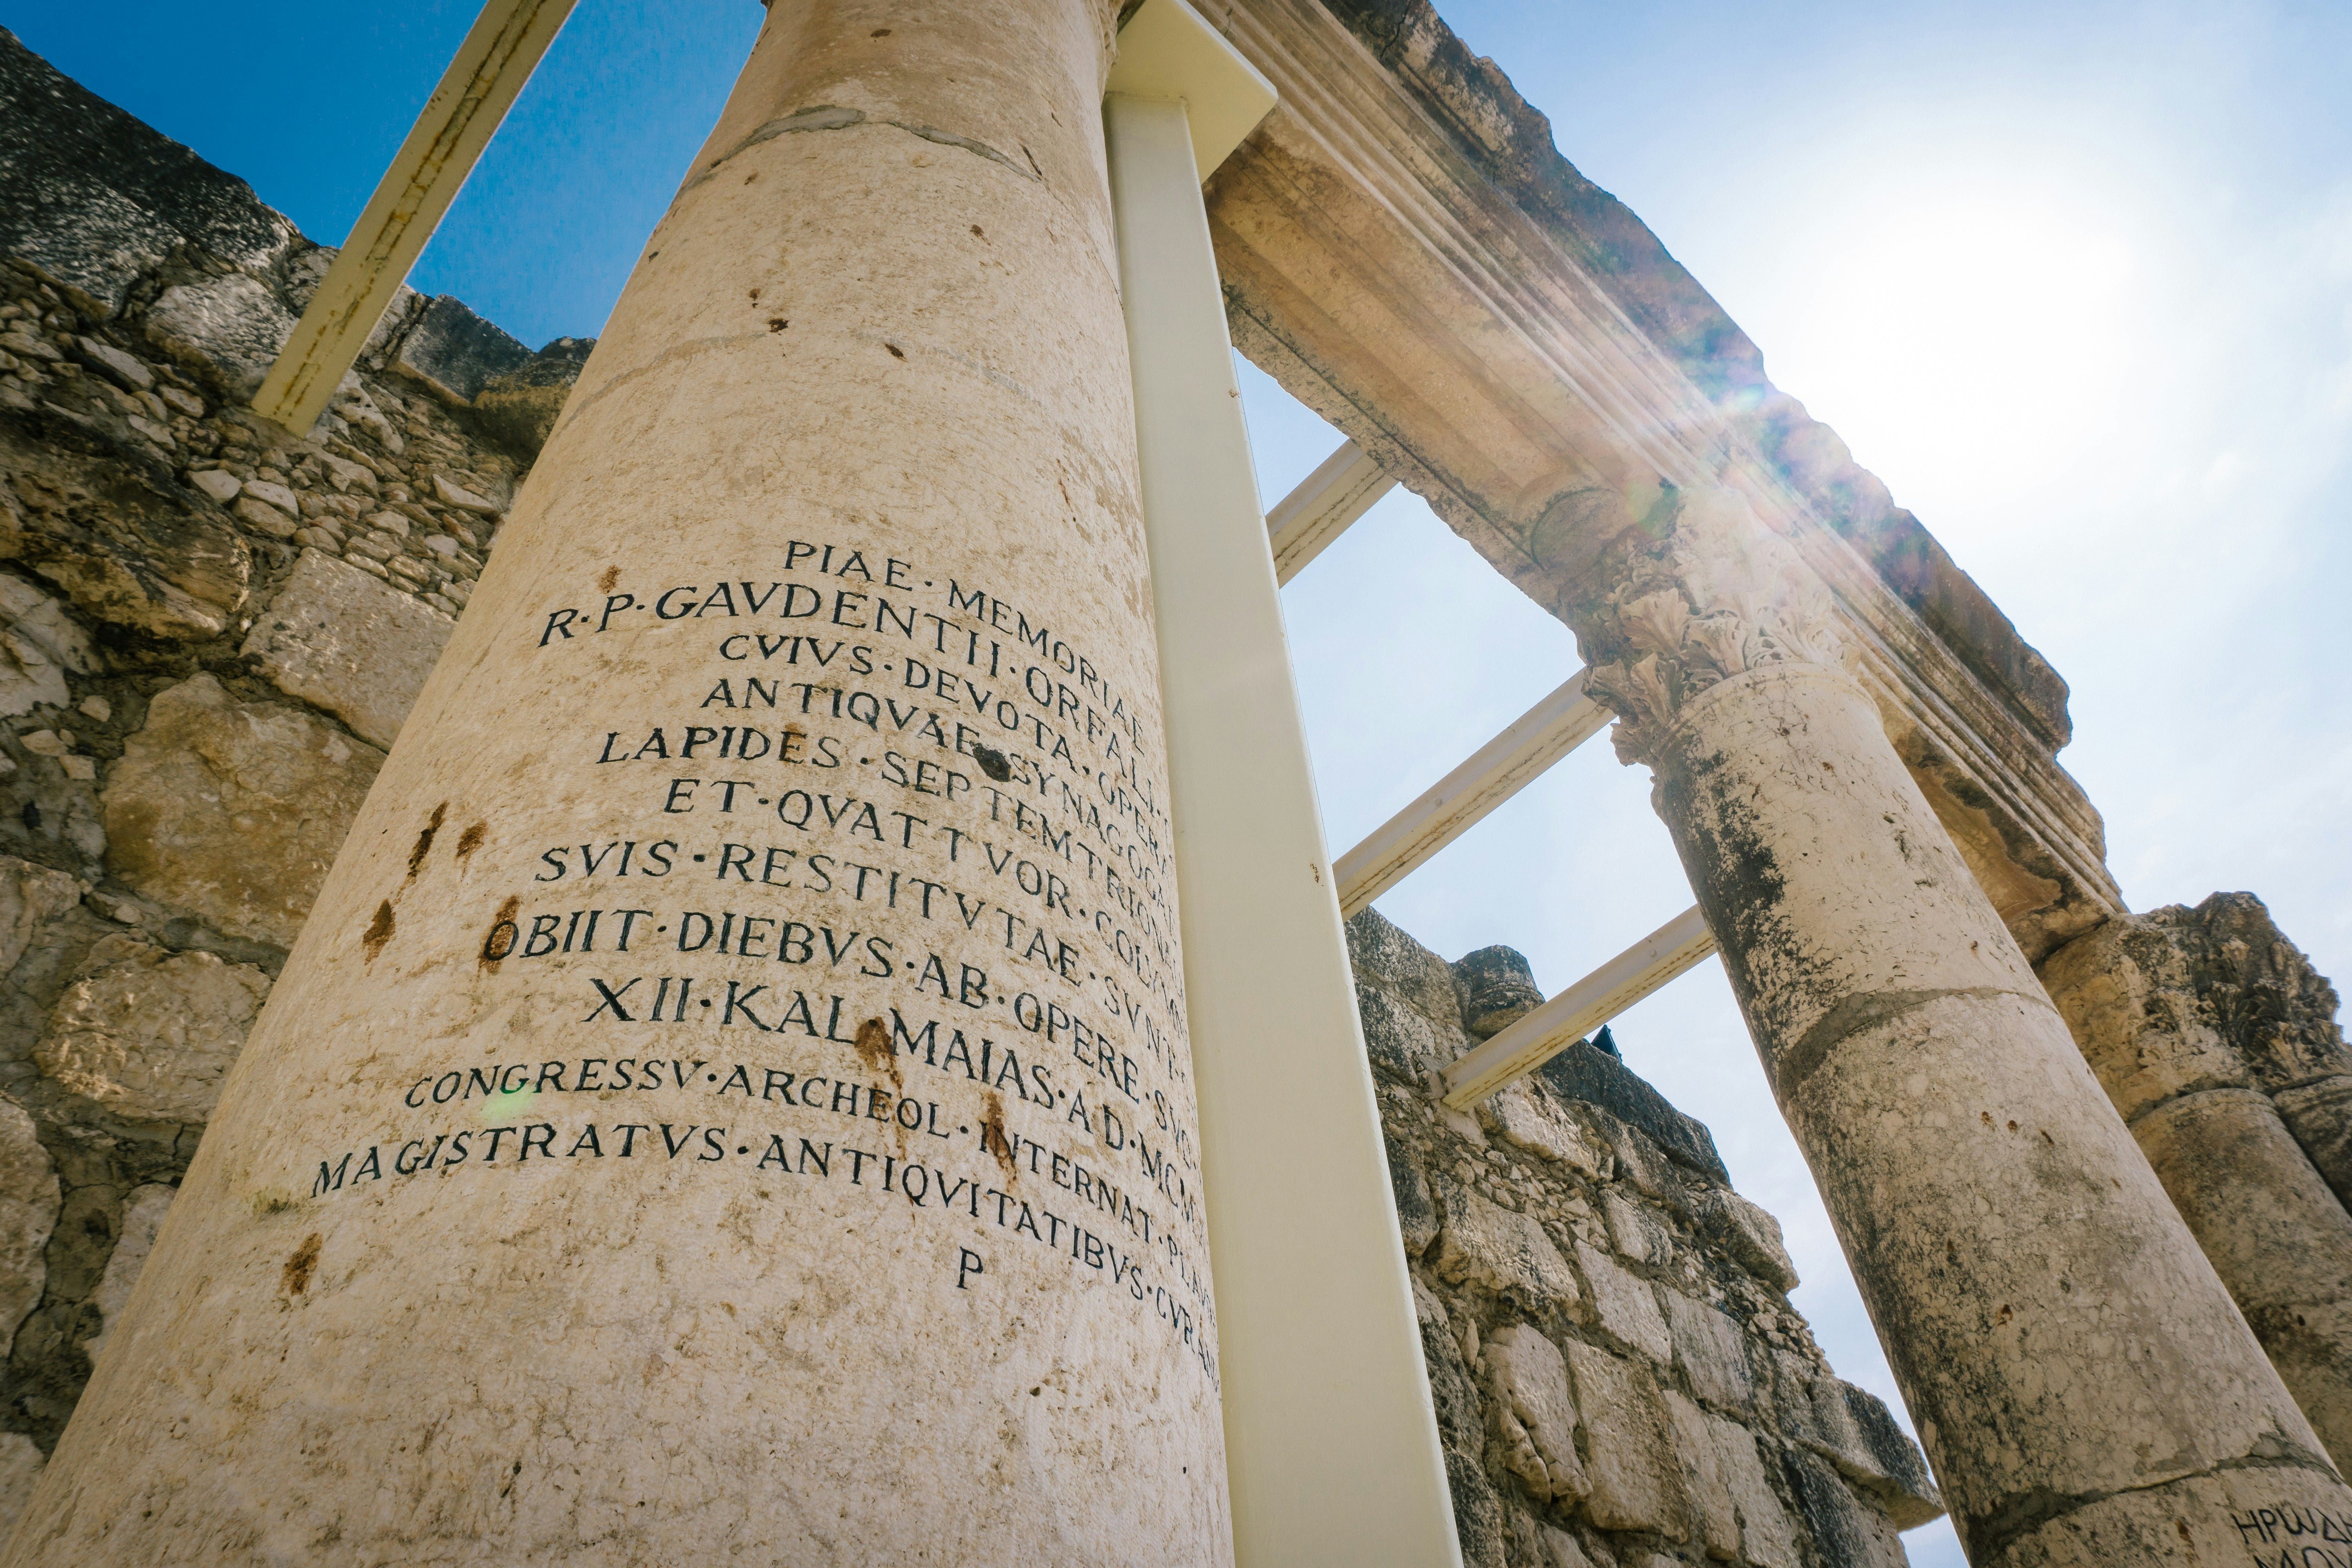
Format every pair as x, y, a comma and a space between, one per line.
1679, 945
1303, 524
1331, 1442
1495, 772
498, 56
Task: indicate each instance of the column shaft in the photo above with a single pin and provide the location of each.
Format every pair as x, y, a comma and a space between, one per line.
2081, 1380
1329, 1428
2204, 1026
731, 1101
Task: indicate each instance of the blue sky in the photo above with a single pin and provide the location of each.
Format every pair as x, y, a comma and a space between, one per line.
2075, 280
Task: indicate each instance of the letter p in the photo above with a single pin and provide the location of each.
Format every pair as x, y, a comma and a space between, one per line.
968, 1264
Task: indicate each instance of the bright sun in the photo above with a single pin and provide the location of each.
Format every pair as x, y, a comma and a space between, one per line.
1968, 336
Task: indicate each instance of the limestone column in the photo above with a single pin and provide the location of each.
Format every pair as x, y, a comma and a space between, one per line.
2080, 1381
2154, 1002
731, 1101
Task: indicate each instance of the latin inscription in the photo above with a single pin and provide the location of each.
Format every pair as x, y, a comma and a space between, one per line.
881, 902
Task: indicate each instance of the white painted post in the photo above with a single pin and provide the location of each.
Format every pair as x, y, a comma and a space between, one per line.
1310, 519
1331, 1443
1522, 754
1674, 949
500, 51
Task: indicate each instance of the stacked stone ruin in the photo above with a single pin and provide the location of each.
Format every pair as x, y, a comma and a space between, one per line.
212, 629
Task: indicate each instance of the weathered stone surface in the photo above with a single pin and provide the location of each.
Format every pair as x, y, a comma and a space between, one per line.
2319, 1114
1857, 1434
1634, 1230
1708, 1350
1766, 1537
228, 328
354, 645
30, 896
1638, 1161
1626, 1306
697, 1310
1496, 988
122, 549
1596, 1077
521, 407
265, 519
1535, 1417
1420, 979
1526, 1115
29, 1210
92, 197
2184, 999
1637, 1483
2275, 1234
1762, 1376
38, 645
20, 1466
1497, 1250
148, 1034
2216, 1040
1416, 1211
1710, 1490
1478, 1519
455, 353
1399, 1038
233, 809
1848, 1531
217, 483
1560, 1550
142, 1214
1750, 1234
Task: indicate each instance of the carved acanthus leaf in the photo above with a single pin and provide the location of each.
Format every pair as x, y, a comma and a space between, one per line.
1656, 622
1724, 595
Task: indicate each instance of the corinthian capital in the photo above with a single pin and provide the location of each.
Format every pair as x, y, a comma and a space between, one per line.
1720, 596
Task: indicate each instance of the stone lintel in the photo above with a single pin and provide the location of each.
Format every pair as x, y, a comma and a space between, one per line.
1405, 252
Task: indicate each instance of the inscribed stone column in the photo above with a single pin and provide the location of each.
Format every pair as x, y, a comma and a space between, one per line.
731, 1101
2081, 1380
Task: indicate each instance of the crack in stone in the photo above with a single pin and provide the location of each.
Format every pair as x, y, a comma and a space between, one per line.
831, 117
1988, 1536
1793, 1065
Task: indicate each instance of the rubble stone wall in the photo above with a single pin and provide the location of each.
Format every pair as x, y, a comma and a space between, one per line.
210, 631
1619, 1376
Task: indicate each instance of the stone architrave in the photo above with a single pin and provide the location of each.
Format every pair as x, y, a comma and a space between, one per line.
730, 1100
2081, 1381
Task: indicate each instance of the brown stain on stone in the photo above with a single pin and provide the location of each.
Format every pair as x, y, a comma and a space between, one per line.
991, 1135
379, 930
611, 575
471, 840
505, 917
425, 840
296, 1276
874, 1050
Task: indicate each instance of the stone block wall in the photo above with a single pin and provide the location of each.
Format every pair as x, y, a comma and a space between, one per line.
211, 628
1619, 1376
